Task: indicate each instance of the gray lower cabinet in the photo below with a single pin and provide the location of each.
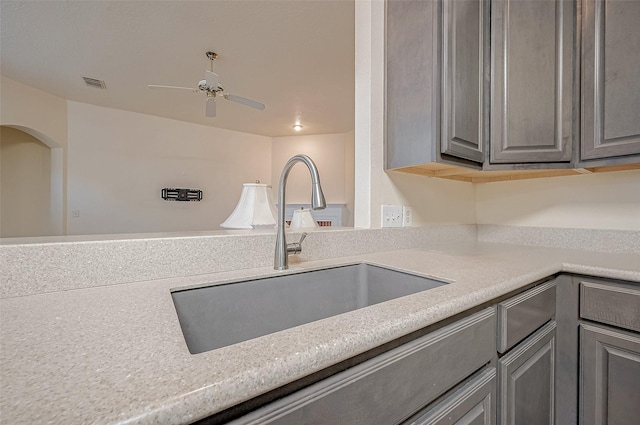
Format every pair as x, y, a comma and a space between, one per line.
615, 304
393, 386
598, 351
610, 376
520, 316
565, 351
609, 352
533, 97
526, 335
526, 380
472, 404
610, 79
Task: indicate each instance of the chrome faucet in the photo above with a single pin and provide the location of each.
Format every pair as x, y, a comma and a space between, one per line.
281, 259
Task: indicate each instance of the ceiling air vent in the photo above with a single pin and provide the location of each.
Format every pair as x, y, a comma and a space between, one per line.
92, 82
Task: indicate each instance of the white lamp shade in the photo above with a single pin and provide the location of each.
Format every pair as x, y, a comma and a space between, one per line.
302, 219
255, 208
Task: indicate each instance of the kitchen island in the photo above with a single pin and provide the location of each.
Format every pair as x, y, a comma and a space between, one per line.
115, 354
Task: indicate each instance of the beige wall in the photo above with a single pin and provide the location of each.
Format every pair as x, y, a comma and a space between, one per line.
25, 185
433, 200
111, 141
40, 114
119, 161
327, 151
349, 175
596, 201
44, 116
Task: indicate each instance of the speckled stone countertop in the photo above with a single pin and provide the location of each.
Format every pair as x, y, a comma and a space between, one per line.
116, 354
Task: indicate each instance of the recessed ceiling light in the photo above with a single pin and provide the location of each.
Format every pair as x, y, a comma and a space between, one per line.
297, 127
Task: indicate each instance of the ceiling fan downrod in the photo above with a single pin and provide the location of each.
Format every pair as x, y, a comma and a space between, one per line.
212, 56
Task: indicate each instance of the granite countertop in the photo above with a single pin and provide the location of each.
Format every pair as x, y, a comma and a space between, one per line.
116, 354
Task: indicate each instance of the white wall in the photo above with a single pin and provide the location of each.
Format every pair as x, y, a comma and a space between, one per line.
119, 161
596, 201
433, 200
25, 185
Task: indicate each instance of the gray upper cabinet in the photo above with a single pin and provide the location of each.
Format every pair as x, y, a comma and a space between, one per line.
532, 95
610, 79
412, 82
437, 81
465, 78
511, 87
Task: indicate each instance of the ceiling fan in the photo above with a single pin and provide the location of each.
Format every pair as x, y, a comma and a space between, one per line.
213, 89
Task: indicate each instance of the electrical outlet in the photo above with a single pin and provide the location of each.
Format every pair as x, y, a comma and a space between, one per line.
407, 216
391, 216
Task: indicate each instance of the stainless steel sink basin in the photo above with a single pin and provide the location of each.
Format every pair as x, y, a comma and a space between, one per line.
220, 315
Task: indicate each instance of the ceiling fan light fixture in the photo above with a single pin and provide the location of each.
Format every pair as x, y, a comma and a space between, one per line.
212, 87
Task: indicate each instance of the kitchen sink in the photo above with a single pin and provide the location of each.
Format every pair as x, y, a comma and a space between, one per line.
219, 315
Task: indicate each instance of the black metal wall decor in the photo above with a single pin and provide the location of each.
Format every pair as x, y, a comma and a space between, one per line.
176, 194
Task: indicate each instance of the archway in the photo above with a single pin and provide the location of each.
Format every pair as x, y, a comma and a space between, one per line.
31, 183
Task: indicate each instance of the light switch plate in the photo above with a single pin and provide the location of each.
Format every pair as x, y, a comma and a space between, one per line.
391, 216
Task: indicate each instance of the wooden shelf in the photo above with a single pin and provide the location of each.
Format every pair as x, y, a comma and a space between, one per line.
454, 172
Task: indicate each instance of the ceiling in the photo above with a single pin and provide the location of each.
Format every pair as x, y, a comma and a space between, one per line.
295, 56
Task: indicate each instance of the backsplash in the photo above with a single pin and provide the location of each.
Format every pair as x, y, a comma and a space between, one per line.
33, 268
43, 265
599, 240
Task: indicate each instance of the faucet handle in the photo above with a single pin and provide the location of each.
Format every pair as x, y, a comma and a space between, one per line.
296, 247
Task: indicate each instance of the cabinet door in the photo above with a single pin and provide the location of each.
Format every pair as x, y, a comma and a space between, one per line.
610, 376
532, 96
473, 404
412, 82
610, 78
526, 380
465, 78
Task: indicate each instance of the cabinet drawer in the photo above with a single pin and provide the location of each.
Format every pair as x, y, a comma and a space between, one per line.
613, 304
523, 314
473, 403
391, 387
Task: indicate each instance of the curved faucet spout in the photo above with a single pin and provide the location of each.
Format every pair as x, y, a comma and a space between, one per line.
281, 259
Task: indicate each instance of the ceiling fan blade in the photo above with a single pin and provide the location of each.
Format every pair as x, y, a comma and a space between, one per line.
155, 86
212, 79
210, 110
247, 102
